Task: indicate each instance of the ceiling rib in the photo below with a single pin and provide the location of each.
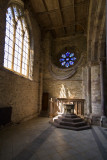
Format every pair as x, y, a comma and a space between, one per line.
48, 14
66, 25
74, 14
59, 5
62, 18
85, 2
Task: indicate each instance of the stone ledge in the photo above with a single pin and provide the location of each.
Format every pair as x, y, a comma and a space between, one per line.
92, 119
103, 121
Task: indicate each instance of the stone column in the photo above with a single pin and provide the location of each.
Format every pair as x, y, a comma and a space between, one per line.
40, 92
96, 90
102, 87
89, 109
103, 120
50, 108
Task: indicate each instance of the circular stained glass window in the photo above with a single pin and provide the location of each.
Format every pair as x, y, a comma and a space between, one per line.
67, 59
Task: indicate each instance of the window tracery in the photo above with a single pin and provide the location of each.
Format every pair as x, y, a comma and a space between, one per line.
17, 55
67, 59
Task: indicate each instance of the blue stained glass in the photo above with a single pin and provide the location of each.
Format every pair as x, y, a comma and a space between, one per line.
67, 64
63, 63
71, 63
71, 55
73, 59
67, 59
15, 13
62, 59
63, 56
9, 15
67, 54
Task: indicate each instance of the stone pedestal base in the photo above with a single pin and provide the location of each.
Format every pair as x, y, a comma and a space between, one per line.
93, 119
103, 121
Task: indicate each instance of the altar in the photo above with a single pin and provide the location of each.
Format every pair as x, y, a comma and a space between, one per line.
75, 106
69, 108
66, 105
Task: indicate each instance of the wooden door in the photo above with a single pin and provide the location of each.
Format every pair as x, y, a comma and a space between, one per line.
45, 101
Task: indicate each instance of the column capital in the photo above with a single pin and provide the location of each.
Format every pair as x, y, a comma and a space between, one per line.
93, 63
102, 59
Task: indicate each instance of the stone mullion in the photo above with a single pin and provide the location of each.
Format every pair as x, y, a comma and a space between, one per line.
22, 42
14, 38
28, 57
22, 52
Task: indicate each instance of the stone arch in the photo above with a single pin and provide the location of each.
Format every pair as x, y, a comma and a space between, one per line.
102, 36
94, 29
98, 29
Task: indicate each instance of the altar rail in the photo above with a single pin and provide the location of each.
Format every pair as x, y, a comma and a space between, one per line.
57, 104
78, 104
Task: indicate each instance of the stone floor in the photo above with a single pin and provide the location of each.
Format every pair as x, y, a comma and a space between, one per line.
38, 140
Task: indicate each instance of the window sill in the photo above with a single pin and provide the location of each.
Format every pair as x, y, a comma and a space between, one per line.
14, 73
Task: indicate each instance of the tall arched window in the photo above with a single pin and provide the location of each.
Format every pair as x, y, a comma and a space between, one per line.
17, 57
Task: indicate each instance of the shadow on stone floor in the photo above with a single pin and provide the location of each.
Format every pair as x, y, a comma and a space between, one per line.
28, 152
99, 144
102, 131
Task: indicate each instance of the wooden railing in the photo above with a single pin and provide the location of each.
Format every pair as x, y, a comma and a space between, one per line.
57, 105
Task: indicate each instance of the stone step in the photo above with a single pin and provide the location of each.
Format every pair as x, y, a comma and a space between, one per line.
70, 123
70, 119
69, 116
70, 127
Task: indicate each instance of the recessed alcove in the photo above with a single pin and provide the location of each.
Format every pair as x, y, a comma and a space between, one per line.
55, 59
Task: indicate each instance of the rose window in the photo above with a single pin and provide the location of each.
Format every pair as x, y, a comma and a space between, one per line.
67, 59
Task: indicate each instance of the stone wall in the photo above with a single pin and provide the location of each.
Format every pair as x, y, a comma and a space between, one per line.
96, 54
96, 90
68, 88
16, 91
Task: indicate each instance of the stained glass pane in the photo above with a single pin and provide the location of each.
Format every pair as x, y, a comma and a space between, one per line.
23, 23
66, 59
68, 54
62, 59
67, 64
15, 13
71, 55
74, 58
8, 49
63, 56
63, 63
17, 45
71, 63
25, 54
9, 15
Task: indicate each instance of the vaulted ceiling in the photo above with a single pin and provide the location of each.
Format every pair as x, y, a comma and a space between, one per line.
61, 17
